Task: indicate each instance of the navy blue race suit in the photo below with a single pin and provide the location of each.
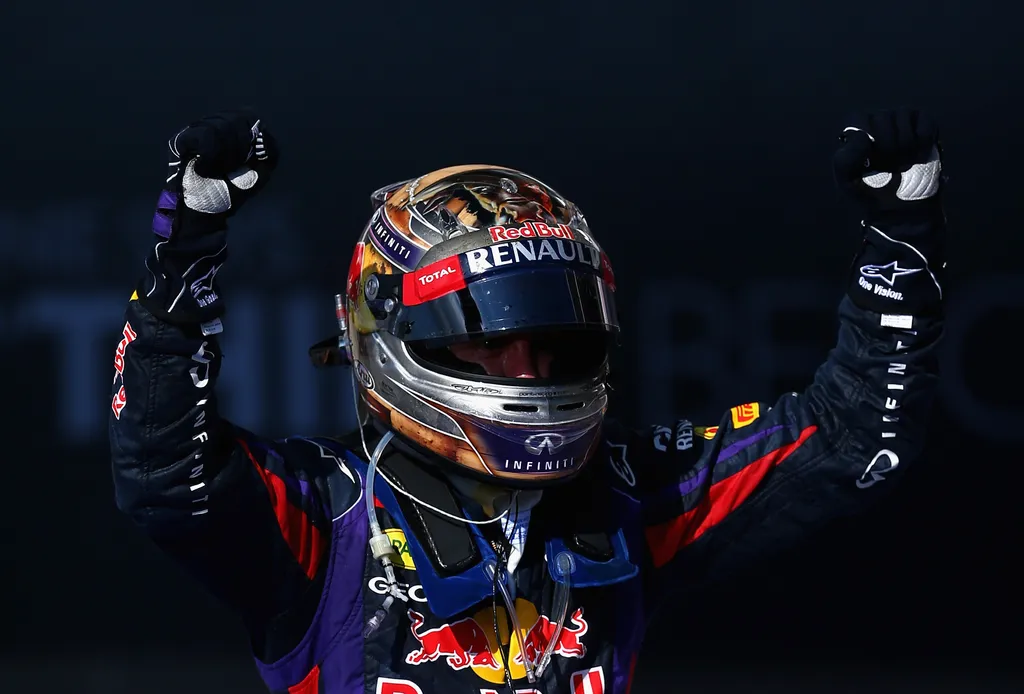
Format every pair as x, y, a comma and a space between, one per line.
277, 529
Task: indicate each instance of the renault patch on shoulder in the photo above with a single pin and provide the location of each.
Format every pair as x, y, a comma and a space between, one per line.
401, 547
742, 415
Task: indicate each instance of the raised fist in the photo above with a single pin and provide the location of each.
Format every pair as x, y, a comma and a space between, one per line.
889, 165
890, 168
215, 165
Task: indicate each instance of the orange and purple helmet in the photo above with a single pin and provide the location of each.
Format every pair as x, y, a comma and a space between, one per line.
472, 260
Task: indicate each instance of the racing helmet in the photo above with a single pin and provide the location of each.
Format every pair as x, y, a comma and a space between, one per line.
481, 257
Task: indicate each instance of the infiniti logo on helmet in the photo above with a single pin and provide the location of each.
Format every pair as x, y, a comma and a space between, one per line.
549, 441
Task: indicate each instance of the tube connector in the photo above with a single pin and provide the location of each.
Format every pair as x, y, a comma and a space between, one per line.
380, 546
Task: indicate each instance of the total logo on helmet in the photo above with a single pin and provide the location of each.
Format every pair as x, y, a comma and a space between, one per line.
471, 643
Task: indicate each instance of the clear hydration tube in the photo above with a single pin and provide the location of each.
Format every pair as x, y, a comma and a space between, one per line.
564, 567
380, 544
510, 609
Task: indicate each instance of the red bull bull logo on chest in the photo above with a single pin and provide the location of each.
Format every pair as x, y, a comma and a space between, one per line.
462, 643
472, 643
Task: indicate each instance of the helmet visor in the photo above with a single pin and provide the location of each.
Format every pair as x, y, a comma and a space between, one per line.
446, 302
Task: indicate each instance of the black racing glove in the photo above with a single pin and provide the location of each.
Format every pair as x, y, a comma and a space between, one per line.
215, 165
889, 169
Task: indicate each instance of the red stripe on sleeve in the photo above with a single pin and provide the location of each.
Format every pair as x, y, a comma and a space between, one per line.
302, 536
632, 672
666, 539
310, 684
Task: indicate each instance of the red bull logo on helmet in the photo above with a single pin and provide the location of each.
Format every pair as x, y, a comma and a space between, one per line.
472, 643
538, 230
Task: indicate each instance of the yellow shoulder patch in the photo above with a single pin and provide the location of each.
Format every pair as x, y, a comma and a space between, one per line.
742, 415
401, 546
134, 297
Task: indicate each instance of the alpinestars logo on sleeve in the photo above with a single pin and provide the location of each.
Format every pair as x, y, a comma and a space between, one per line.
879, 279
887, 273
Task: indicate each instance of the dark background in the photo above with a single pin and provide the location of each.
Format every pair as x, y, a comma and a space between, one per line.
697, 138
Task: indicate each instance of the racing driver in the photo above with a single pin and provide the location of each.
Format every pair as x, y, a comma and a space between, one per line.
487, 528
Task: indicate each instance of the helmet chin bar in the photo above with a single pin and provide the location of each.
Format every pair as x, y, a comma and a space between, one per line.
454, 471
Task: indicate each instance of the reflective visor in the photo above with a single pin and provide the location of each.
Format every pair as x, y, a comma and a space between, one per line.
518, 285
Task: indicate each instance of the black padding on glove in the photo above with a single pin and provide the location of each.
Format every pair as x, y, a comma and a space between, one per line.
224, 142
890, 142
216, 164
889, 169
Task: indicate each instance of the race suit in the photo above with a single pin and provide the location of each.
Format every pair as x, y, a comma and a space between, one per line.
278, 529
